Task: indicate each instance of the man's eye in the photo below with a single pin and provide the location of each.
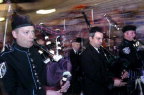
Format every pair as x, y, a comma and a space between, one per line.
26, 32
98, 38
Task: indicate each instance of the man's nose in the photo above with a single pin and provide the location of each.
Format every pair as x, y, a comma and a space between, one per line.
101, 40
32, 35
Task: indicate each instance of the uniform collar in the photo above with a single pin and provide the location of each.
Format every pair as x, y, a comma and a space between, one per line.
21, 48
128, 41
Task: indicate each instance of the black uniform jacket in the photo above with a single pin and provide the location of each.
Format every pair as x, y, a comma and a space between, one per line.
76, 72
96, 74
75, 61
25, 73
128, 51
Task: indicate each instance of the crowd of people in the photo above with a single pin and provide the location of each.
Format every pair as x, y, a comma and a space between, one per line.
25, 70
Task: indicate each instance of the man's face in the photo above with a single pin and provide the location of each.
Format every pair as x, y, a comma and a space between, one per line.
24, 36
130, 35
76, 46
96, 41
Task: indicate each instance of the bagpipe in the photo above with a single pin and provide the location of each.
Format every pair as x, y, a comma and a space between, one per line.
58, 66
43, 50
115, 64
139, 46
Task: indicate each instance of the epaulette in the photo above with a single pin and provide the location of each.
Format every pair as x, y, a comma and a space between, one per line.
2, 69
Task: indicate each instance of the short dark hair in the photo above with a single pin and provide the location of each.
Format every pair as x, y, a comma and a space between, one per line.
93, 30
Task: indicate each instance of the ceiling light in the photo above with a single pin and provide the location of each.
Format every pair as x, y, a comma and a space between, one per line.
45, 11
2, 18
1, 1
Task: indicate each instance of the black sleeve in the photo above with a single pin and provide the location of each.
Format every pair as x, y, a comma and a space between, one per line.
9, 80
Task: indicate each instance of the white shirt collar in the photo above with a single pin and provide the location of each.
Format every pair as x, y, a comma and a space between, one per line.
74, 51
97, 49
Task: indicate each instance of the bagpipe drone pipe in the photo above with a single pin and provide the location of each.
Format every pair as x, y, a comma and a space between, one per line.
115, 64
57, 66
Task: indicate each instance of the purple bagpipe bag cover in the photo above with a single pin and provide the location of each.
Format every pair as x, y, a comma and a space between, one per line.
55, 71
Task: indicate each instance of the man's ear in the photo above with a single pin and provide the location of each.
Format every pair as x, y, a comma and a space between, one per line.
14, 34
90, 38
125, 34
73, 44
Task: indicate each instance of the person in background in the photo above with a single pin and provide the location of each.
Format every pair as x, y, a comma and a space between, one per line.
97, 78
74, 55
128, 51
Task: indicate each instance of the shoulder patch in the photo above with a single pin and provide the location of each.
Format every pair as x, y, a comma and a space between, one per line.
126, 50
2, 69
